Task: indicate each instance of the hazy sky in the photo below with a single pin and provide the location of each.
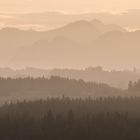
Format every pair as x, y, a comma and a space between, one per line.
67, 5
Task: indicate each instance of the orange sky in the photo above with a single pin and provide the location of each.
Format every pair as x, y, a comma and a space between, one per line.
75, 6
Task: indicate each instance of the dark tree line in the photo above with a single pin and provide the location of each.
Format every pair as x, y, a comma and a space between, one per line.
80, 107
71, 119
134, 86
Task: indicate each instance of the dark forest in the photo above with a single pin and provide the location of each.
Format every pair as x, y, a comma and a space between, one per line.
69, 117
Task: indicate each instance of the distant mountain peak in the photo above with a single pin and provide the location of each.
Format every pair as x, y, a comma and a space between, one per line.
80, 23
106, 27
96, 22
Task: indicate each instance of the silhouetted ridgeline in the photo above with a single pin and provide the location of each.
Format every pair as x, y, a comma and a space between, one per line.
75, 45
72, 119
54, 86
114, 78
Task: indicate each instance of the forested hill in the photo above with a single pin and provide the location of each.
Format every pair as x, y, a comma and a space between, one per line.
114, 78
54, 86
80, 107
71, 119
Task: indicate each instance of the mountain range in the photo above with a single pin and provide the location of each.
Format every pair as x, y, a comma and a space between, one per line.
76, 45
50, 20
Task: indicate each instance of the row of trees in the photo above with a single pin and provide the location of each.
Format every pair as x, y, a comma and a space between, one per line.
80, 107
71, 119
134, 86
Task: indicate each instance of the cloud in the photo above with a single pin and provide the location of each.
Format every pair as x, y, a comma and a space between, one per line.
6, 16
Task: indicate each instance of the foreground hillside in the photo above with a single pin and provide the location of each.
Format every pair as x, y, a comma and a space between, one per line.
76, 119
